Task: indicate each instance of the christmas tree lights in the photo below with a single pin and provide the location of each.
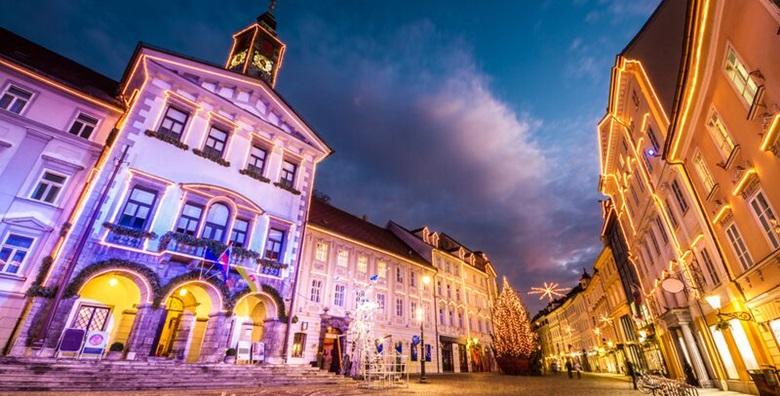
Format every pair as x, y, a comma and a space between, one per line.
513, 336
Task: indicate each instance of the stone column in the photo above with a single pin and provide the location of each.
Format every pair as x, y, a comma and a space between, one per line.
183, 333
273, 337
216, 338
30, 326
142, 335
58, 325
693, 353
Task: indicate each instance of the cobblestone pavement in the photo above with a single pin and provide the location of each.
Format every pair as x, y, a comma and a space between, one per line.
450, 385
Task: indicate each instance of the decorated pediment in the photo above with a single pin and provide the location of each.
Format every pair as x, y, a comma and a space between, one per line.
28, 222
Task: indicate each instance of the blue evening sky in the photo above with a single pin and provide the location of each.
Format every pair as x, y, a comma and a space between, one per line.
476, 118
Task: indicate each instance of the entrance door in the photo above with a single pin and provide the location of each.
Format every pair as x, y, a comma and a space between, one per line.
464, 359
91, 318
446, 357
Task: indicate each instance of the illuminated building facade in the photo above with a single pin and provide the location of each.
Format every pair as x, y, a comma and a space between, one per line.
55, 119
464, 292
206, 157
341, 252
686, 149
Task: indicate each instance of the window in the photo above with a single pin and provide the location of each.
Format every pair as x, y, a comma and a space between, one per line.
743, 345
705, 257
460, 320
83, 126
342, 258
636, 198
338, 295
137, 208
720, 136
479, 325
13, 252
739, 246
189, 219
239, 233
91, 318
362, 264
273, 245
452, 319
380, 300
704, 173
257, 157
740, 76
413, 279
173, 122
215, 142
678, 195
14, 99
438, 287
638, 180
381, 269
287, 177
661, 230
399, 307
669, 211
321, 251
316, 287
723, 349
441, 316
653, 140
49, 186
299, 344
449, 291
216, 222
457, 295
654, 241
765, 217
412, 309
399, 275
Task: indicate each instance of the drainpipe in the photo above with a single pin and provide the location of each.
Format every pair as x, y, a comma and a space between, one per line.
435, 322
73, 259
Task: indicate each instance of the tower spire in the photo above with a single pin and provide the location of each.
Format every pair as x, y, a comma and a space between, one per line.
267, 18
257, 50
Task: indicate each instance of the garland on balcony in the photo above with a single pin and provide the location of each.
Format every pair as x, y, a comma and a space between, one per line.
215, 247
167, 138
114, 263
284, 186
271, 263
129, 231
267, 289
255, 174
212, 279
37, 289
211, 157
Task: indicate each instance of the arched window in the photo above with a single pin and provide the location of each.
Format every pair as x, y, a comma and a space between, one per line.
216, 222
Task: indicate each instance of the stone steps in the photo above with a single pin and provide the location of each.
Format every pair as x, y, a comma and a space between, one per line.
69, 375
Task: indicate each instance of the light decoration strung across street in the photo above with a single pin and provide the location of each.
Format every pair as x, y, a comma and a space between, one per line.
550, 291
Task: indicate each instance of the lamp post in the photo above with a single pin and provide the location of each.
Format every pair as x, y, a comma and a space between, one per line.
421, 318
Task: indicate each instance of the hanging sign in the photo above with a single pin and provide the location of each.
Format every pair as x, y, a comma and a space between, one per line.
95, 344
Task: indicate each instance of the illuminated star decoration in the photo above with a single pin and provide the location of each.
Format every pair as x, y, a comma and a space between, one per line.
550, 291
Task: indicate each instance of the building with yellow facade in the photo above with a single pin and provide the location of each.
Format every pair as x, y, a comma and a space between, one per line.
687, 152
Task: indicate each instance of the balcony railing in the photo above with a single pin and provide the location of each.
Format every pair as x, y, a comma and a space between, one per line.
127, 236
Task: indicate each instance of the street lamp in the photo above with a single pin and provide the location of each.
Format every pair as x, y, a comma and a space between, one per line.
421, 318
714, 301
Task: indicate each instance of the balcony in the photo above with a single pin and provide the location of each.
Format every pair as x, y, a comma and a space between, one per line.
127, 236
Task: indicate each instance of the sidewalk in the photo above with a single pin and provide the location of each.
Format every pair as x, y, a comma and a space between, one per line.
702, 391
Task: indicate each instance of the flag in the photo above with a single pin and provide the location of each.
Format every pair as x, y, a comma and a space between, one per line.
247, 277
224, 261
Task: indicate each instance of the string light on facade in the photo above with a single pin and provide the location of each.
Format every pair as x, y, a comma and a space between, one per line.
550, 291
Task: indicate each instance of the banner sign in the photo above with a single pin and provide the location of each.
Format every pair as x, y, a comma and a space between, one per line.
413, 350
72, 340
427, 352
95, 343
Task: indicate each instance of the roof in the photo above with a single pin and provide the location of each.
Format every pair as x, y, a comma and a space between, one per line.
659, 47
324, 215
142, 45
64, 70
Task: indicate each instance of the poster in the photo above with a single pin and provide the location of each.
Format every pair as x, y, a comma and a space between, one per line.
258, 352
95, 344
243, 351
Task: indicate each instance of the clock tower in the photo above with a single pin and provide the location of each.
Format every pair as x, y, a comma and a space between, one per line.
257, 51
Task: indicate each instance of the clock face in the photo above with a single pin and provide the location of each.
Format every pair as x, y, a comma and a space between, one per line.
237, 59
261, 62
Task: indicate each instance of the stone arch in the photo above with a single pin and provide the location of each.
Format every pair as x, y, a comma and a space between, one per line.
148, 281
212, 291
216, 289
267, 291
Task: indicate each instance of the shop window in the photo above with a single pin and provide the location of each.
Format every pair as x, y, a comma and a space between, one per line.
299, 345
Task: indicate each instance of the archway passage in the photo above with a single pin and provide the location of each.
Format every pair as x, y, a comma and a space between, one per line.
188, 308
250, 315
332, 350
108, 302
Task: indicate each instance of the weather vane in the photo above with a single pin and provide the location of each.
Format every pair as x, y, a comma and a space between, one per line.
550, 291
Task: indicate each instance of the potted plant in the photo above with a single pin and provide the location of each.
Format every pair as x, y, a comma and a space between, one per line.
115, 351
230, 356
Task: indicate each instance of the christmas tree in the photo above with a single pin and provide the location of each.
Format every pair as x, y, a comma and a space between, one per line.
513, 339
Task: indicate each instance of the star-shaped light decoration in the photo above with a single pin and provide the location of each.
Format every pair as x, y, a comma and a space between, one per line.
550, 291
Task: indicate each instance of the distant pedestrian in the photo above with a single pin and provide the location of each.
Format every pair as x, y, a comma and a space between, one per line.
631, 373
569, 368
578, 367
